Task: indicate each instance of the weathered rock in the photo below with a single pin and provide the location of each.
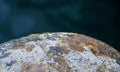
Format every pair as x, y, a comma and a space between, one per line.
58, 52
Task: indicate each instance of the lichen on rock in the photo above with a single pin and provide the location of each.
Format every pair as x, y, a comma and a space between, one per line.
58, 52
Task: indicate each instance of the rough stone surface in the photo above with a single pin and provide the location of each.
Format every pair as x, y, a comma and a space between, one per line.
58, 52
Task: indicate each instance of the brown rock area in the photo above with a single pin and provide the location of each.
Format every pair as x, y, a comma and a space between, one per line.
58, 52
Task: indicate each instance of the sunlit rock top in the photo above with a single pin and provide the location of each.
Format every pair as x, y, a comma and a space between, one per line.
58, 52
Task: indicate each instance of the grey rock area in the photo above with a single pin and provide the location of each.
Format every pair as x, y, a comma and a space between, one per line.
58, 52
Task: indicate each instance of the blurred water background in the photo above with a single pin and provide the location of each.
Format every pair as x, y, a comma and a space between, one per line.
96, 18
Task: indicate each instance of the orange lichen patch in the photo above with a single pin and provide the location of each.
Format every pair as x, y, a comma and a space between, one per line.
94, 50
90, 46
29, 47
34, 35
97, 47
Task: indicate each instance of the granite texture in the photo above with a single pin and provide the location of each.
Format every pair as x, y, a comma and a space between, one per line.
58, 52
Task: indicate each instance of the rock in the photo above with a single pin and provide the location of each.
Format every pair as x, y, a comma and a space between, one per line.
58, 52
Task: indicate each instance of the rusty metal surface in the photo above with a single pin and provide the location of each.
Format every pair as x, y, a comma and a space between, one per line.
58, 52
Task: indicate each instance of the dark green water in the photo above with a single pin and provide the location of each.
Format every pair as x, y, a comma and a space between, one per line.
96, 18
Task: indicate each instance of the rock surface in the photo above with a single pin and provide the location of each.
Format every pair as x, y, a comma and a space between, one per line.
58, 52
